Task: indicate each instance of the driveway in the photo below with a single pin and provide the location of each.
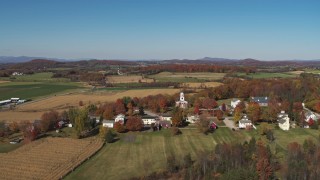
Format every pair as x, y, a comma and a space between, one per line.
229, 123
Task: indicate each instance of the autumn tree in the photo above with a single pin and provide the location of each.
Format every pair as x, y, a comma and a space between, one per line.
72, 114
237, 114
177, 118
253, 111
81, 121
196, 109
48, 120
120, 107
108, 112
203, 124
163, 104
119, 127
130, 109
134, 123
219, 114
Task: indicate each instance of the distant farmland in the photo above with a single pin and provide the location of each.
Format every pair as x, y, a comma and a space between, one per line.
187, 77
128, 79
28, 90
268, 75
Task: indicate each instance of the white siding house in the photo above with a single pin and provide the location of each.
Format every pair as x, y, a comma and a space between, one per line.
193, 119
120, 118
147, 120
245, 122
107, 123
284, 121
234, 103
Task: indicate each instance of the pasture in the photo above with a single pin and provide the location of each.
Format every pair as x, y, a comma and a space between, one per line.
48, 158
187, 77
268, 75
37, 77
142, 153
127, 79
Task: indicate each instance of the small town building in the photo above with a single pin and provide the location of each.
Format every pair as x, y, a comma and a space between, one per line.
120, 118
165, 117
108, 123
234, 103
284, 121
245, 122
262, 101
309, 116
182, 103
148, 120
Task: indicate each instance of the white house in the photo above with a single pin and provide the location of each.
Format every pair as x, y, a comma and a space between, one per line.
234, 103
120, 118
165, 117
107, 123
245, 122
284, 121
182, 103
147, 120
193, 119
262, 101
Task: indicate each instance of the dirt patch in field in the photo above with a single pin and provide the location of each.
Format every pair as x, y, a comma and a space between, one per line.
296, 72
127, 79
4, 82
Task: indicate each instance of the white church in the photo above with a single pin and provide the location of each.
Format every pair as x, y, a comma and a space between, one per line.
182, 103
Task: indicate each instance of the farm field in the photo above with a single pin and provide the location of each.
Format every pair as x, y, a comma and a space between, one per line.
268, 75
201, 85
127, 79
37, 77
34, 109
187, 77
48, 158
28, 90
148, 152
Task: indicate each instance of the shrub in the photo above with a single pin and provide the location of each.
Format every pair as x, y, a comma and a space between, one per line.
175, 131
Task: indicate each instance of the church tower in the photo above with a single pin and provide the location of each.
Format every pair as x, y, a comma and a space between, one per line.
181, 96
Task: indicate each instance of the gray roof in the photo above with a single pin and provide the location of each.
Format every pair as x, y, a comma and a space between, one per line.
245, 121
107, 121
259, 99
148, 117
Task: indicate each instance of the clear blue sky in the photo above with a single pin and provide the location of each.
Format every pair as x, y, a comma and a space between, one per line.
162, 29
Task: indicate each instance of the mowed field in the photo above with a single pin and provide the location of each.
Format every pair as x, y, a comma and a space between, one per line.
187, 77
127, 79
149, 151
34, 109
48, 158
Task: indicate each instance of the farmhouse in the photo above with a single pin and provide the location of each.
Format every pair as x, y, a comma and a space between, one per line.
234, 103
262, 101
120, 118
107, 123
245, 122
148, 120
182, 103
284, 121
309, 115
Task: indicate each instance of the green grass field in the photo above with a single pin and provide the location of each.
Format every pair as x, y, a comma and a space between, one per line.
149, 150
37, 77
29, 90
268, 75
187, 77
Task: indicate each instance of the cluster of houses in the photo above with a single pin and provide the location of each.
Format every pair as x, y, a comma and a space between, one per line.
12, 101
282, 117
17, 74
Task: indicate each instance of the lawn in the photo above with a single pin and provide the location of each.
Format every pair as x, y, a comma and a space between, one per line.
187, 77
29, 90
148, 152
6, 147
268, 75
